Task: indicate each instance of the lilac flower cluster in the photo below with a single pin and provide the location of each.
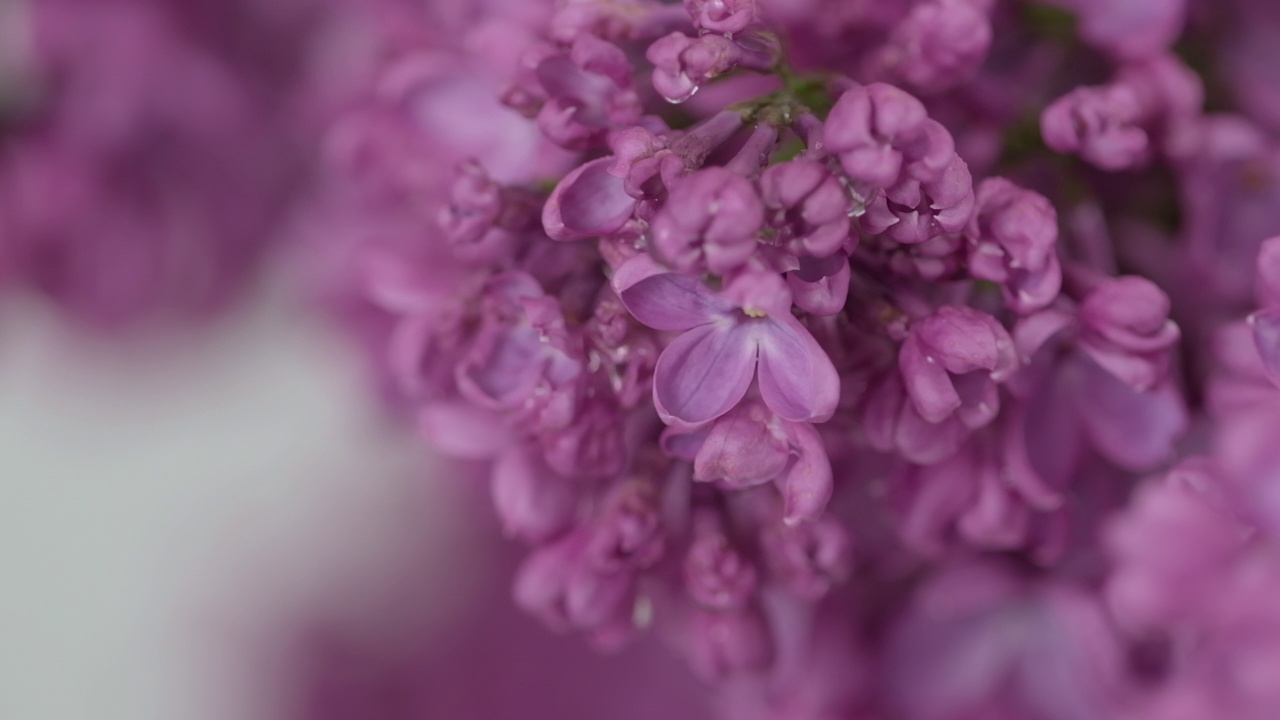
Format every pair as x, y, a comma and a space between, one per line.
829, 340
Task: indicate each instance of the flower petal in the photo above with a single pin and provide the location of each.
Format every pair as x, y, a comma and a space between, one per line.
664, 300
703, 374
1266, 336
927, 382
741, 449
797, 379
588, 202
807, 487
503, 367
533, 502
462, 430
1135, 430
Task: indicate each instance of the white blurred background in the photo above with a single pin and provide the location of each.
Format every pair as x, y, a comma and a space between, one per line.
167, 506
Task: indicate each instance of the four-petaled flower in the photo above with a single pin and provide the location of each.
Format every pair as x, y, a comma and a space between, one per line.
704, 372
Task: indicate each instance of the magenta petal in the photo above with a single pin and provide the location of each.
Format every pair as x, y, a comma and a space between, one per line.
807, 488
924, 442
502, 368
928, 383
588, 202
703, 373
664, 300
406, 285
683, 443
797, 380
1135, 430
822, 296
741, 449
1266, 336
533, 502
462, 430
930, 500
1034, 331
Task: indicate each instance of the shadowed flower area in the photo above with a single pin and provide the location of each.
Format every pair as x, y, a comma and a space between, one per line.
480, 659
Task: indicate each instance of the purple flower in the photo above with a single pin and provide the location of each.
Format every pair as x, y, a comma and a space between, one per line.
746, 446
1125, 328
711, 220
630, 532
522, 358
820, 286
1229, 194
1266, 321
941, 257
588, 202
484, 219
558, 584
722, 644
588, 92
951, 363
1129, 28
1173, 536
881, 133
722, 16
716, 575
683, 64
985, 495
707, 369
891, 423
809, 206
785, 335
749, 445
939, 45
809, 559
1013, 237
1082, 404
600, 197
1101, 124
977, 644
616, 21
591, 444
533, 502
913, 212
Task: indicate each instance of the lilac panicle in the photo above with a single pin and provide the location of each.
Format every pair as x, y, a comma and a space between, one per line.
839, 378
